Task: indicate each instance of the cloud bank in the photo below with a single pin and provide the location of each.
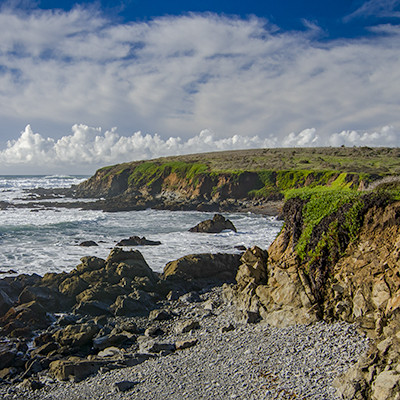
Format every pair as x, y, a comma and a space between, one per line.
179, 75
88, 148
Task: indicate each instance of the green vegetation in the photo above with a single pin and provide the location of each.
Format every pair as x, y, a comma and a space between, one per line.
147, 173
322, 202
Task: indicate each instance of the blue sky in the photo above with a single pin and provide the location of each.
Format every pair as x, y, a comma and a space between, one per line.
86, 84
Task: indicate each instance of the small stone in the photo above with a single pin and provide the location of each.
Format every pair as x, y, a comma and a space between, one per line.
187, 326
191, 297
159, 315
124, 386
226, 328
153, 331
185, 344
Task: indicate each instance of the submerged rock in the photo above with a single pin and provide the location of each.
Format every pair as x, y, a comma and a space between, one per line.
138, 241
216, 225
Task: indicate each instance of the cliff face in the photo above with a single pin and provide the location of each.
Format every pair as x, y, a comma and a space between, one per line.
195, 185
356, 280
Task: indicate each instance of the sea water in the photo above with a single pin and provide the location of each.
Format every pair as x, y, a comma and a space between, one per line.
46, 239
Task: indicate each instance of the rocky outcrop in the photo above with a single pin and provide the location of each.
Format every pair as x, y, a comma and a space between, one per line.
138, 241
359, 284
100, 301
216, 225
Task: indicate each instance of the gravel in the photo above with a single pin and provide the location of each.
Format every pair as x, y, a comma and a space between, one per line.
252, 361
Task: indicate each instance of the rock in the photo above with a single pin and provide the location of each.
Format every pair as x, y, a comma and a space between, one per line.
48, 298
8, 353
31, 384
227, 327
185, 344
130, 307
72, 286
191, 297
92, 307
187, 326
5, 302
112, 339
160, 315
77, 335
247, 317
386, 386
124, 386
22, 320
215, 225
153, 331
74, 369
110, 352
151, 346
138, 241
90, 264
204, 266
88, 243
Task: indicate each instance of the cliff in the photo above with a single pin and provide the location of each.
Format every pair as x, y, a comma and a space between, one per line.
233, 180
334, 260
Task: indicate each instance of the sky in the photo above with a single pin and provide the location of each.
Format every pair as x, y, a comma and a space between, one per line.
87, 84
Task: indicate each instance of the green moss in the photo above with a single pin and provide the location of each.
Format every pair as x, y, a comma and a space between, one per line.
321, 202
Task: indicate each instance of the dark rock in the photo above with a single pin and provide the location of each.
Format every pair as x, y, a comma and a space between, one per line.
88, 243
247, 317
156, 347
241, 247
5, 302
48, 298
32, 384
92, 307
8, 352
216, 225
138, 241
102, 342
129, 307
227, 327
124, 386
72, 286
90, 264
22, 320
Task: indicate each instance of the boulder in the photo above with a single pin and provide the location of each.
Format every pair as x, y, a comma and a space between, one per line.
88, 243
211, 267
74, 368
138, 241
22, 320
216, 225
77, 335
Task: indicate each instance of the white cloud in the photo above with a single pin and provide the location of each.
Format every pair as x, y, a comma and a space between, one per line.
88, 148
376, 8
178, 75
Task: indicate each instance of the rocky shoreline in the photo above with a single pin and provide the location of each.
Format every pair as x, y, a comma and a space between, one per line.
216, 356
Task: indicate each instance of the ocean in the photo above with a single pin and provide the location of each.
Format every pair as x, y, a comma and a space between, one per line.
47, 239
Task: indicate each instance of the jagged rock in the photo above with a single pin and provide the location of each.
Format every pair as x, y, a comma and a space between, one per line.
216, 225
138, 241
111, 339
88, 243
73, 286
153, 331
90, 264
92, 307
47, 297
5, 302
8, 353
191, 297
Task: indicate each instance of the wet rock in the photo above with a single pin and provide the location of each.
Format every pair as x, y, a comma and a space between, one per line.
88, 243
138, 241
215, 225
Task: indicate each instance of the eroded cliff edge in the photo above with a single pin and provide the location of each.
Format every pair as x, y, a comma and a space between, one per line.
345, 268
